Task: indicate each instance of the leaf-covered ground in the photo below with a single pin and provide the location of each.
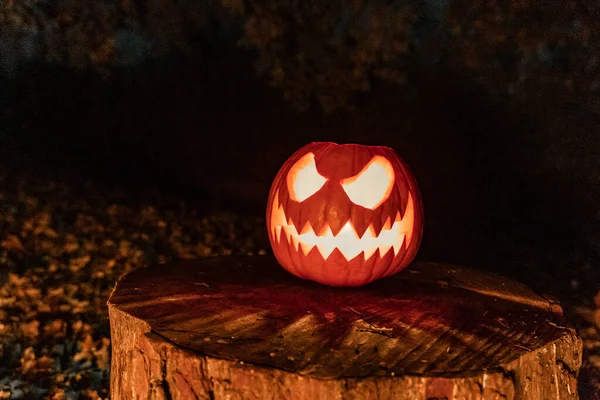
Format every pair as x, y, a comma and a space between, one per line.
64, 244
61, 251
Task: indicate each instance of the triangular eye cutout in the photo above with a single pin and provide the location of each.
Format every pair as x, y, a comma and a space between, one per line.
373, 185
303, 179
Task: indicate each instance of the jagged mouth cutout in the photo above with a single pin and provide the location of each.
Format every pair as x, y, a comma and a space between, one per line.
369, 189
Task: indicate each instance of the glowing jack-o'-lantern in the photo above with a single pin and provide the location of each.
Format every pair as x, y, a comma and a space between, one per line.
344, 215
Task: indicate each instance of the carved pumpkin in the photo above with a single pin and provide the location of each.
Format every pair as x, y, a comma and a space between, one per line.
344, 215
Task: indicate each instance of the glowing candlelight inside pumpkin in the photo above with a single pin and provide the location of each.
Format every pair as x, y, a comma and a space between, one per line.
350, 244
344, 215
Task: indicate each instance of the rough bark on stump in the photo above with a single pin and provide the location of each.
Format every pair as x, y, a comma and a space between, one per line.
243, 328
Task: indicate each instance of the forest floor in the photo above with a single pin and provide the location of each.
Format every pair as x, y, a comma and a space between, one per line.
64, 244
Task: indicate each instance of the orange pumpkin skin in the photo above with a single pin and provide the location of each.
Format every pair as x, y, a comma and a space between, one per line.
344, 215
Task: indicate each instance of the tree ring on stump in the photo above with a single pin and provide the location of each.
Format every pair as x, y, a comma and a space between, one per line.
431, 331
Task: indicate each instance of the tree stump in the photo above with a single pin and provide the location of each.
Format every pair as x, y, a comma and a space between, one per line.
243, 328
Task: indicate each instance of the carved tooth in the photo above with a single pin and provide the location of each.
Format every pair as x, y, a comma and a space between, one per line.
306, 247
327, 244
408, 222
288, 234
370, 231
348, 242
295, 240
326, 250
307, 229
326, 230
387, 225
398, 244
383, 250
353, 229
277, 217
327, 233
369, 252
348, 229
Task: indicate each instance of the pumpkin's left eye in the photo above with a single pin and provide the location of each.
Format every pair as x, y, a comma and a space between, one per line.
371, 186
304, 180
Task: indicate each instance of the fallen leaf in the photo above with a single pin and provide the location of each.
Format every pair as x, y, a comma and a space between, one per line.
12, 243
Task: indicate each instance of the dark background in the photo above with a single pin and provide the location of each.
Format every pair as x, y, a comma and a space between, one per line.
495, 108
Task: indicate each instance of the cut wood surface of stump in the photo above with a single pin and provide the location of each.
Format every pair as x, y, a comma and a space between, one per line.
240, 327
